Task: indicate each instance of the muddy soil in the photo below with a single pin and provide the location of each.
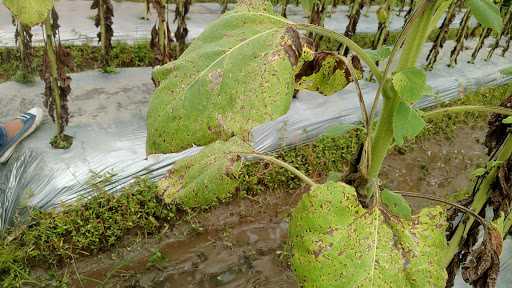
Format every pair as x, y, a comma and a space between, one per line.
439, 166
243, 243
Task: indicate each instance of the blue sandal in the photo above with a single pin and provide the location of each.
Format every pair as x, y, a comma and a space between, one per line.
31, 120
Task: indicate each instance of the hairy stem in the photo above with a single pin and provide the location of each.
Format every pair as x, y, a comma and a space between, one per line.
381, 141
383, 137
413, 45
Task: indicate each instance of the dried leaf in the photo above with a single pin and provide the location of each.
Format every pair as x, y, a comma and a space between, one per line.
482, 266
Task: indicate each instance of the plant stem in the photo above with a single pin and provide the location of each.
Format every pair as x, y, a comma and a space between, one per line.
103, 32
441, 35
350, 30
479, 201
461, 36
468, 108
383, 137
419, 27
507, 20
460, 207
52, 61
285, 165
413, 45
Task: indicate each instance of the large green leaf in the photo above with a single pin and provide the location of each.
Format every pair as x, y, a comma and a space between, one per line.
487, 13
205, 179
410, 84
407, 123
30, 12
233, 77
337, 243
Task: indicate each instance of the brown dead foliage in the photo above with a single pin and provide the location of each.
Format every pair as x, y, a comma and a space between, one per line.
108, 13
482, 265
160, 47
64, 62
180, 16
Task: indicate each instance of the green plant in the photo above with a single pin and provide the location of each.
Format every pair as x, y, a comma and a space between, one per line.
156, 258
372, 215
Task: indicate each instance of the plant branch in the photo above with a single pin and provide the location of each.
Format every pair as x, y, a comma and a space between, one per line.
468, 108
380, 142
284, 165
433, 198
353, 75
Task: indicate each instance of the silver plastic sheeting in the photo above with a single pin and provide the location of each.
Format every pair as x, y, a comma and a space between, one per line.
108, 123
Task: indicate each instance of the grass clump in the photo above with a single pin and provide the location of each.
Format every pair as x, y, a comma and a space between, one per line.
316, 160
51, 237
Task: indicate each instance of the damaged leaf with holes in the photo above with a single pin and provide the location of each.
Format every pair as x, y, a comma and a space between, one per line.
207, 178
337, 243
325, 72
233, 77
